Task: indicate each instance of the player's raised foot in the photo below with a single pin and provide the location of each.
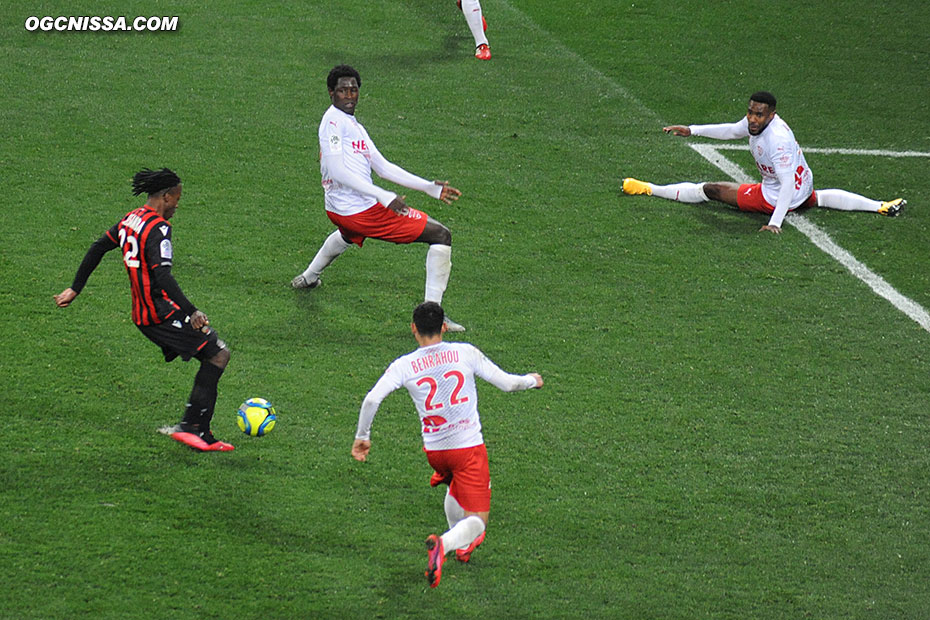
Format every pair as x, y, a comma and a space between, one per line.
483, 52
452, 326
632, 186
463, 555
301, 281
892, 207
436, 555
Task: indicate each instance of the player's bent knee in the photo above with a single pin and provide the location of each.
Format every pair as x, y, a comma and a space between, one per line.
221, 359
436, 233
713, 191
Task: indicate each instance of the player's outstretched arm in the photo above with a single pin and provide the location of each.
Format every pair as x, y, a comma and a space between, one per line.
360, 449
678, 130
539, 379
91, 259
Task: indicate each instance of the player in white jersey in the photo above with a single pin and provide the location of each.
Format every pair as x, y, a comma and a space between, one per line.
478, 26
787, 182
359, 208
440, 378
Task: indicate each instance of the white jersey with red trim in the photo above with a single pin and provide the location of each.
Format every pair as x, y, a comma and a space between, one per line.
441, 381
343, 136
347, 158
777, 153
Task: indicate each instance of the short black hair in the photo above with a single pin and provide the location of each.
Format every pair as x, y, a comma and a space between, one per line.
763, 96
153, 182
428, 318
342, 71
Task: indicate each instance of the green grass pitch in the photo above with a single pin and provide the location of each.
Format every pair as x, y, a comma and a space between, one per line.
732, 425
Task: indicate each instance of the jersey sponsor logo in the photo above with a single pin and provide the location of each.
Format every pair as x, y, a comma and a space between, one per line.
359, 146
165, 248
431, 423
176, 324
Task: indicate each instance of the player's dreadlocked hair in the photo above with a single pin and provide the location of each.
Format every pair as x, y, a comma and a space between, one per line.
428, 318
765, 97
342, 71
153, 182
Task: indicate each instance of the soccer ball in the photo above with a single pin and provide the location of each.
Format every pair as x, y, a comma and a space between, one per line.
256, 417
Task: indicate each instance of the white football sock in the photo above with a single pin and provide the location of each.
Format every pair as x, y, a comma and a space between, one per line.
463, 533
438, 268
846, 201
454, 510
472, 11
681, 192
328, 252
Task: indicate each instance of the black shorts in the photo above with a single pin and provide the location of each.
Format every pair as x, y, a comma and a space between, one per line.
177, 338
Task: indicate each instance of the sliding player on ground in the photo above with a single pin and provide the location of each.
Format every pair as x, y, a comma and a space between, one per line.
787, 181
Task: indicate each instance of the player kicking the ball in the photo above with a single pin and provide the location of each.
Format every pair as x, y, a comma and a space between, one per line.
440, 378
159, 308
787, 181
359, 208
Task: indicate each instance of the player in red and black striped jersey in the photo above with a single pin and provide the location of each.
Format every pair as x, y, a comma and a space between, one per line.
159, 308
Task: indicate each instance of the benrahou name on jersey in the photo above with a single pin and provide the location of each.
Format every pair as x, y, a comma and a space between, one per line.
134, 221
431, 360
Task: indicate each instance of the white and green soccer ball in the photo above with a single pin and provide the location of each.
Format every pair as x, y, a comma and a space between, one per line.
256, 417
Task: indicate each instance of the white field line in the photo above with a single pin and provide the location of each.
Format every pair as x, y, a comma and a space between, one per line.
823, 241
711, 152
829, 151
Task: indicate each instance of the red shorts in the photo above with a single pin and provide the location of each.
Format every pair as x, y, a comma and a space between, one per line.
466, 472
379, 222
749, 198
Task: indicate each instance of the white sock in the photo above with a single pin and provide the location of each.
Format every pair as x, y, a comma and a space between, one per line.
463, 533
472, 11
328, 252
438, 268
846, 201
454, 510
682, 192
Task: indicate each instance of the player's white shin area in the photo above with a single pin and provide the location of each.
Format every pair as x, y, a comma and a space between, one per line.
680, 192
846, 201
463, 533
438, 268
472, 11
328, 252
454, 510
